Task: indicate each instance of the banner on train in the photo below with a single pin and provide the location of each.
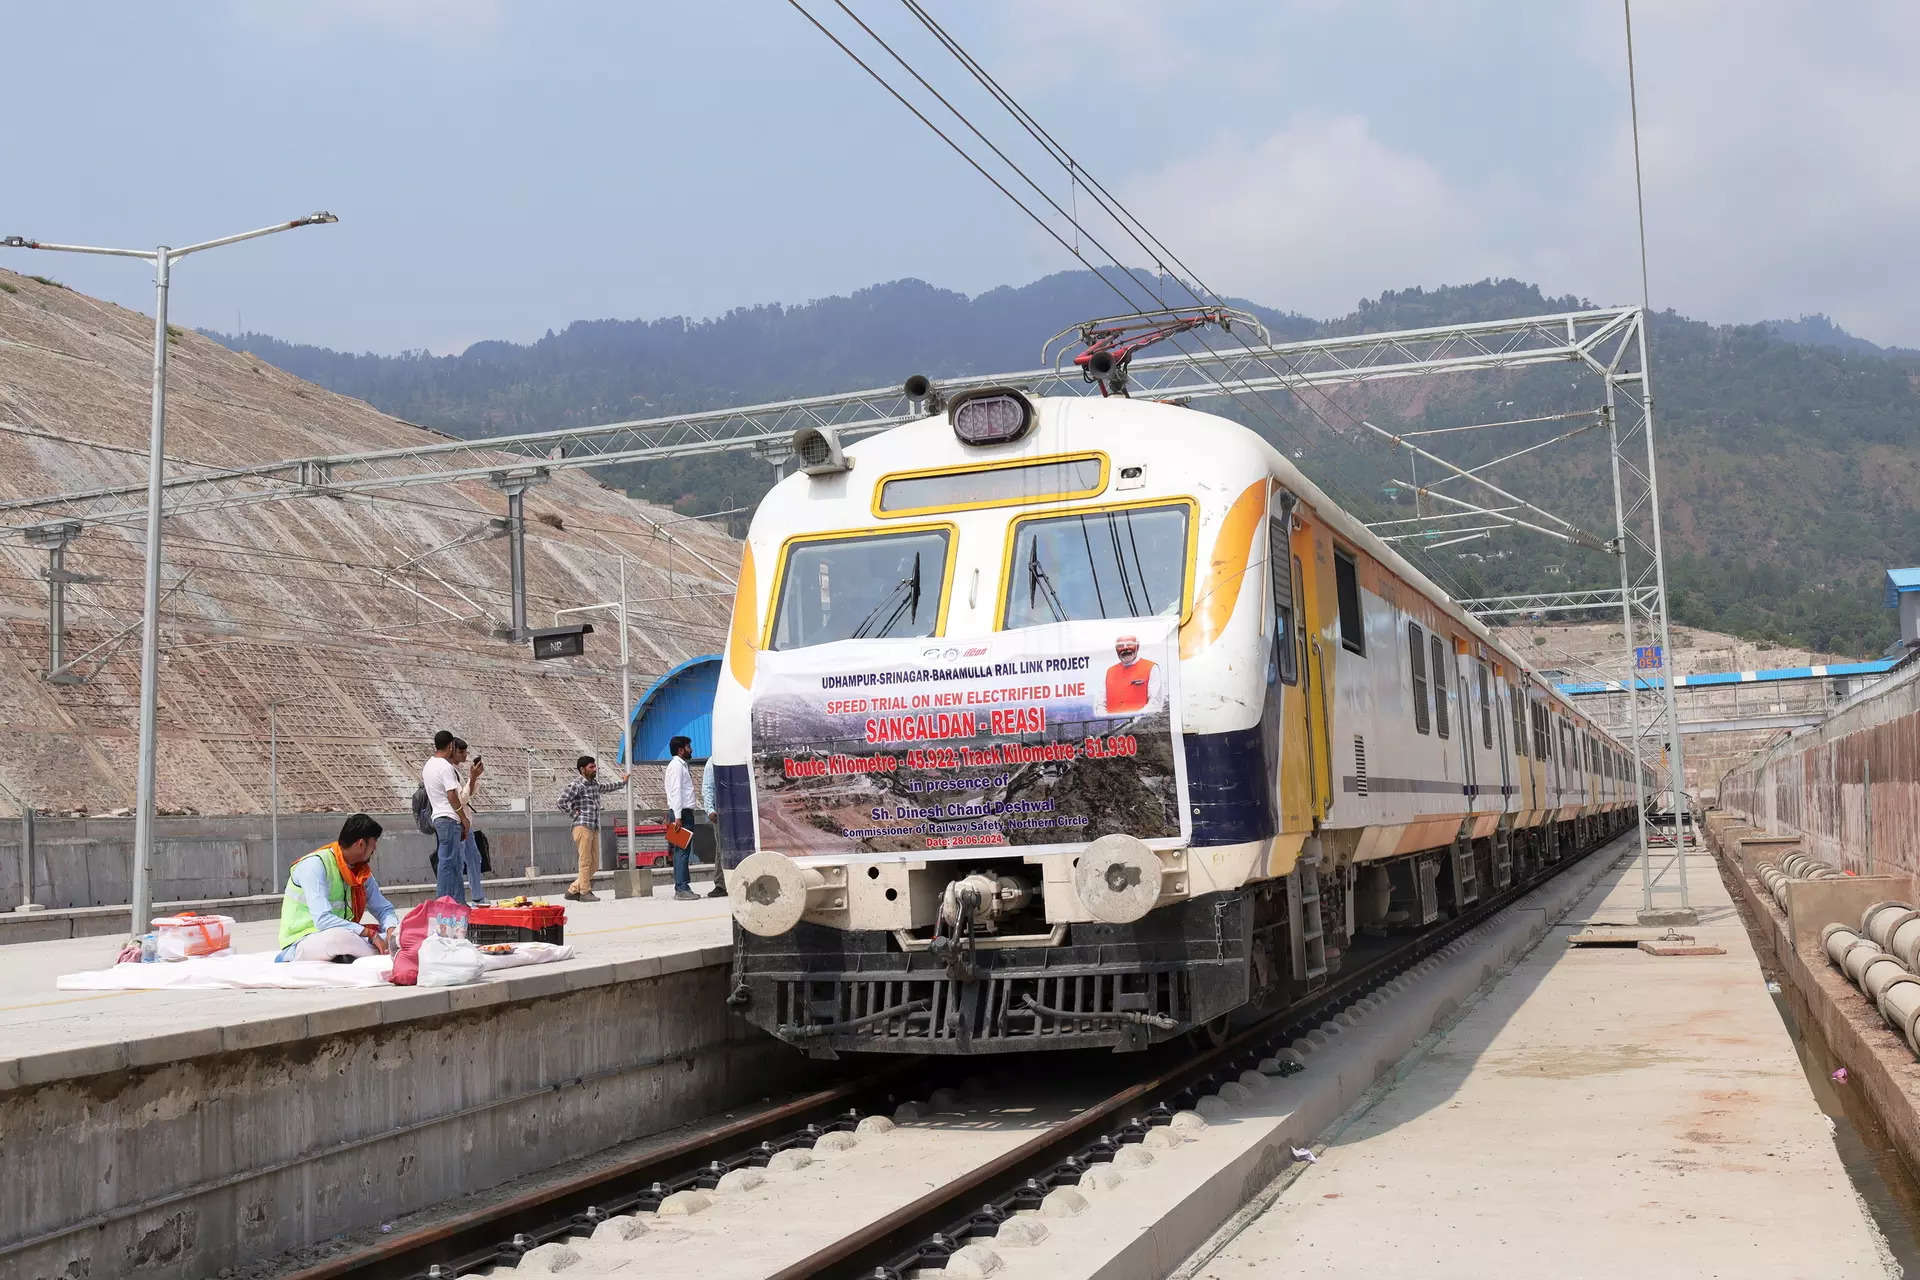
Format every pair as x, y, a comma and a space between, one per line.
1033, 739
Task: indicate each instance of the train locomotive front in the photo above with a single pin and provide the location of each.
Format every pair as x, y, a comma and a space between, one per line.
1024, 736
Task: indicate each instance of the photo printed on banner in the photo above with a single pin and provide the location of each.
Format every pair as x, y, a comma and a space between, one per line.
1038, 738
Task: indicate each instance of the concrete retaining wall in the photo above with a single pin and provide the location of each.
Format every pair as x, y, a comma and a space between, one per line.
86, 862
1879, 1064
1850, 787
174, 1171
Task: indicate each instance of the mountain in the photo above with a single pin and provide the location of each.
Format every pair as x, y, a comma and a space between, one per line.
1787, 449
1820, 331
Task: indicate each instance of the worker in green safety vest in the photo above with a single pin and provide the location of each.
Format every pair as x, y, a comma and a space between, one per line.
327, 894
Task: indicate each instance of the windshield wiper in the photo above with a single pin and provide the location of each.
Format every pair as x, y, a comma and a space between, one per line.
1037, 580
909, 604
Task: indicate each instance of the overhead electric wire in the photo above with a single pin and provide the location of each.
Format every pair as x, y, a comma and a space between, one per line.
1124, 218
1061, 155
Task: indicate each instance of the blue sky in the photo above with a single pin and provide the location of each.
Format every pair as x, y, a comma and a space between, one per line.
502, 168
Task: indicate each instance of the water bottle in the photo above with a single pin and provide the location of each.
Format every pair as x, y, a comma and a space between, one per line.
149, 944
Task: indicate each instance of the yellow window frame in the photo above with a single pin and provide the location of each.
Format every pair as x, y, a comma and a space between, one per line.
864, 532
1001, 464
1097, 508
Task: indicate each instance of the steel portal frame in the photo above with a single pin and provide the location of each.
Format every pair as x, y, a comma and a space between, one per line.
1610, 343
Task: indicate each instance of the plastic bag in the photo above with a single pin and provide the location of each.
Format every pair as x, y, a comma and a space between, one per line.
440, 918
190, 934
448, 962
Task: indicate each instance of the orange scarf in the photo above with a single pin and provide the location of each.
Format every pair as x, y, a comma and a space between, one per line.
356, 878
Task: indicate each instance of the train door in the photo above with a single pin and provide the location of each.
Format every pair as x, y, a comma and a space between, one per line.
1289, 686
1467, 721
1318, 606
1502, 694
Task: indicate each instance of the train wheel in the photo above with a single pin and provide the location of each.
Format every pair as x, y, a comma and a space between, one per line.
1211, 1035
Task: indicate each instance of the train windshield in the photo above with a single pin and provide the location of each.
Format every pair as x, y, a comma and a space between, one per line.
861, 588
1125, 562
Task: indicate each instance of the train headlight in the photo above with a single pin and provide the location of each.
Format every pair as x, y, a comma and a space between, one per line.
818, 449
991, 415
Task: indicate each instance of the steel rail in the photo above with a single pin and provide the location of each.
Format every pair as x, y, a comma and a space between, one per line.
918, 1235
923, 1234
499, 1234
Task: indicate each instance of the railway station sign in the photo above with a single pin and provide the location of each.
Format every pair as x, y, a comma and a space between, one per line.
1034, 739
560, 642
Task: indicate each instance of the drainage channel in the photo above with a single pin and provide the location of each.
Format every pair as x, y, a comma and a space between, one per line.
1873, 1163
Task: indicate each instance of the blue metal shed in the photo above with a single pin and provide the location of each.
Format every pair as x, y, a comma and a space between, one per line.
1899, 582
680, 701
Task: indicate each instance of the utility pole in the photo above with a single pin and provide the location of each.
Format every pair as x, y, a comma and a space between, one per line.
162, 257
273, 786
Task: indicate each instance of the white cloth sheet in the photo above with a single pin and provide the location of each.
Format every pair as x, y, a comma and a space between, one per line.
260, 972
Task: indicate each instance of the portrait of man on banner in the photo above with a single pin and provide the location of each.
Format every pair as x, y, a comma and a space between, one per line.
1134, 686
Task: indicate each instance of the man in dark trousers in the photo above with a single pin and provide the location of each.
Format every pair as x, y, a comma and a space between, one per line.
681, 808
706, 839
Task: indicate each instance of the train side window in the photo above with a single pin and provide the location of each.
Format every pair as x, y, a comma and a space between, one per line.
1486, 707
1280, 570
1440, 725
1417, 661
1353, 623
1519, 722
1542, 739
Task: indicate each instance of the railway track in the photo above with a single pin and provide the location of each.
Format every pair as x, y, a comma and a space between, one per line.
919, 1236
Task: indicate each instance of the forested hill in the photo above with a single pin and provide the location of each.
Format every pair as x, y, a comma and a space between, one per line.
1790, 450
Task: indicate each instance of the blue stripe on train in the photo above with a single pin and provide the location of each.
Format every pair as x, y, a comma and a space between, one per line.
733, 801
1229, 788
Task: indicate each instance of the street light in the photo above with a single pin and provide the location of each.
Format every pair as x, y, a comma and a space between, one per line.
273, 785
162, 257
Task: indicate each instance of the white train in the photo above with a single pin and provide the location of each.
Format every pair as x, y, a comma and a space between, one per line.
1090, 722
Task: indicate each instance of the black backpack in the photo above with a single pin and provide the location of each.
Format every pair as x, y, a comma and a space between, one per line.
422, 811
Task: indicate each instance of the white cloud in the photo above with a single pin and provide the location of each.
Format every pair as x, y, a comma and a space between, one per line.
1781, 176
1780, 166
1316, 215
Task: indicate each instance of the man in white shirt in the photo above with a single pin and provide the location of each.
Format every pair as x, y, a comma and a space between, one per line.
680, 809
450, 828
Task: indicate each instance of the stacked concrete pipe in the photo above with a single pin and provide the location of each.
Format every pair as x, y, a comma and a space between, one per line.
1882, 976
1795, 866
1895, 926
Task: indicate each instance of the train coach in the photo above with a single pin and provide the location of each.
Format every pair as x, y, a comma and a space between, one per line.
1074, 722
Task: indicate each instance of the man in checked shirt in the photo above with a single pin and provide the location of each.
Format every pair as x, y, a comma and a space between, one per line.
581, 802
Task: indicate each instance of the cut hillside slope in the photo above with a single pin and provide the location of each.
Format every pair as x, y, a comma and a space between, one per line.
368, 621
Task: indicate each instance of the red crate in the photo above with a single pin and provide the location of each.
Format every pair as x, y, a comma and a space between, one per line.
517, 924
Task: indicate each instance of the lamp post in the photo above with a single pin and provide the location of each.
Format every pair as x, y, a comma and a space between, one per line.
273, 785
626, 691
162, 257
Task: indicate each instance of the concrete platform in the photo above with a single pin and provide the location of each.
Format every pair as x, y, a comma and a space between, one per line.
47, 1034
1600, 1112
200, 1130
